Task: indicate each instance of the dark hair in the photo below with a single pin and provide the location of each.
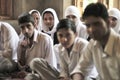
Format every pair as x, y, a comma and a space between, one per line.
25, 18
47, 12
66, 23
97, 10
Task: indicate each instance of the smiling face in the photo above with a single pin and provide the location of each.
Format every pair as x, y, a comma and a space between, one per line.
97, 28
48, 20
66, 37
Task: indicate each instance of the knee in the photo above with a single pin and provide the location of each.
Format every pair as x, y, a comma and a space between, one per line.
34, 62
32, 77
5, 65
37, 62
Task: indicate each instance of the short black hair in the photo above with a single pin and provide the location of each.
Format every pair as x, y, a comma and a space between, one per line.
25, 18
96, 9
66, 23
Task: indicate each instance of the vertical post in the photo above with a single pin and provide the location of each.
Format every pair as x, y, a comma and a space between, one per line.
101, 1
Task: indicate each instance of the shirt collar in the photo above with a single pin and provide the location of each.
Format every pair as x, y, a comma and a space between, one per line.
35, 35
109, 46
74, 48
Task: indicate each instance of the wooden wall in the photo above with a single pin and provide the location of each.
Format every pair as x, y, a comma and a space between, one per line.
26, 5
20, 6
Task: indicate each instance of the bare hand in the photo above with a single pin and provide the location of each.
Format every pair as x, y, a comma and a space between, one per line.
25, 42
77, 76
63, 78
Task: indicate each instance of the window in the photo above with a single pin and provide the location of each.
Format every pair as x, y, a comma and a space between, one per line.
6, 9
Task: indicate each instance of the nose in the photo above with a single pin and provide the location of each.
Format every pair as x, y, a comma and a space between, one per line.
70, 18
26, 29
110, 21
47, 21
64, 39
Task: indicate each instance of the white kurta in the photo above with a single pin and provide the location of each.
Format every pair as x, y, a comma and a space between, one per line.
9, 41
107, 60
41, 48
67, 63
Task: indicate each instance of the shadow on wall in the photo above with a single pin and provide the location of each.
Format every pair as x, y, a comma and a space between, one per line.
15, 25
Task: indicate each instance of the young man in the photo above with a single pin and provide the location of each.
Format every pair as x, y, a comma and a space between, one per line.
8, 49
68, 51
70, 48
34, 44
103, 50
